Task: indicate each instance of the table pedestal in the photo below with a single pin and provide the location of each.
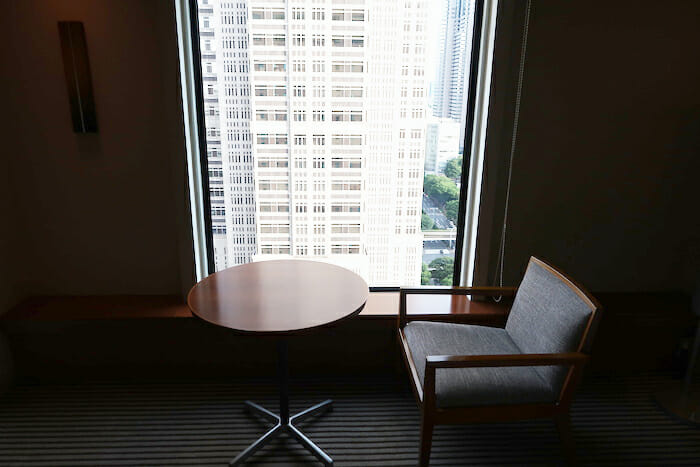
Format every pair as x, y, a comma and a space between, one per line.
283, 422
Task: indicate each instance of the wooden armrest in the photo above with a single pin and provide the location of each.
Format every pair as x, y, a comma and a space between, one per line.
481, 291
479, 361
445, 290
433, 362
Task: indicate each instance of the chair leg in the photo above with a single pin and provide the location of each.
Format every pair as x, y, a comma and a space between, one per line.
563, 423
426, 440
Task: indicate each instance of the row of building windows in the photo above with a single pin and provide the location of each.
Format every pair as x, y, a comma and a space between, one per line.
274, 207
274, 228
271, 115
269, 66
272, 163
319, 140
269, 90
274, 250
267, 13
318, 250
346, 91
346, 116
265, 185
336, 67
269, 39
417, 71
318, 116
352, 185
302, 250
317, 40
336, 163
302, 208
317, 14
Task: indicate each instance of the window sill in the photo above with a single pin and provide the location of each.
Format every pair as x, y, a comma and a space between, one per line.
380, 305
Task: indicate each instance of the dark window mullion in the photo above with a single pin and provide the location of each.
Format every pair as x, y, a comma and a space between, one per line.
468, 137
202, 136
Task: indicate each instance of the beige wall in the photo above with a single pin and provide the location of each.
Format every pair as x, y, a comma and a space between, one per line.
104, 213
605, 178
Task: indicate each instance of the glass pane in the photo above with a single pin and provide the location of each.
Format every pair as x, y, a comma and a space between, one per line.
375, 186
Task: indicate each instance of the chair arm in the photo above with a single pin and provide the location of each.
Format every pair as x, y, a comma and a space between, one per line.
433, 362
446, 290
481, 291
480, 361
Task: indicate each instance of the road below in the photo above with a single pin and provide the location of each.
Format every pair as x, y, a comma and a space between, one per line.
431, 208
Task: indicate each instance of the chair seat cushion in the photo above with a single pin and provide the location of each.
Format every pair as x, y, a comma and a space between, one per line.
467, 387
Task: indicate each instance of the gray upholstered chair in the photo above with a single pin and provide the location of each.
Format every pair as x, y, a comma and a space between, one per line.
467, 373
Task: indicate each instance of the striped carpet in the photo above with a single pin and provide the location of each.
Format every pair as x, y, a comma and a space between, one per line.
374, 422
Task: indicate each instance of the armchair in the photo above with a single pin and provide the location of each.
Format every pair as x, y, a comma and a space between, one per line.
464, 373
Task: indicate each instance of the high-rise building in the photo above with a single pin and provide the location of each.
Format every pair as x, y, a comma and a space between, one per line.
326, 106
441, 144
449, 99
225, 77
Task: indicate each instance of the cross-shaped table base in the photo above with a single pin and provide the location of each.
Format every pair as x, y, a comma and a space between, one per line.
283, 423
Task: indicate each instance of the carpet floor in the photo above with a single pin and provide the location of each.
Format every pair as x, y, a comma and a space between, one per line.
374, 423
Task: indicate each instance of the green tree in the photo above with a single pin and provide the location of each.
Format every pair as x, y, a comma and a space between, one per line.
426, 223
442, 269
424, 275
451, 210
446, 281
453, 169
440, 188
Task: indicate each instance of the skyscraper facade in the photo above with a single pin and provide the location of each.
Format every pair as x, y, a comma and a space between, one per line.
449, 99
316, 129
224, 50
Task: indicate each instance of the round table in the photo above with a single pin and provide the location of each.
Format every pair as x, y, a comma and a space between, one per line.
280, 298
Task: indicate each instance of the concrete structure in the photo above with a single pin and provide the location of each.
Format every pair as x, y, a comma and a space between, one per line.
331, 102
441, 144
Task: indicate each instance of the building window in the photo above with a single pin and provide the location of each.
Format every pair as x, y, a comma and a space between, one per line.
318, 40
267, 13
299, 39
348, 41
318, 14
299, 91
346, 116
347, 91
319, 66
347, 67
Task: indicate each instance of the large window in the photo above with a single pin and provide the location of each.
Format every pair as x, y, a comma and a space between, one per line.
364, 170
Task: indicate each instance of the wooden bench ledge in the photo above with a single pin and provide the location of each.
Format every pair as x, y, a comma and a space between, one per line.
380, 305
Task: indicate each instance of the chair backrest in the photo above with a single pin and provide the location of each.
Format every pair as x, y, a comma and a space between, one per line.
551, 314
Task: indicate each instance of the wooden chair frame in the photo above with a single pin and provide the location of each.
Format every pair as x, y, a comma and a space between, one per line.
432, 415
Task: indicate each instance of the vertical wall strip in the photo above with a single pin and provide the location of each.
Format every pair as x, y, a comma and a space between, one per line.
498, 279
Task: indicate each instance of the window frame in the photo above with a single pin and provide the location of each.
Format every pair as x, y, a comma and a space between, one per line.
205, 217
